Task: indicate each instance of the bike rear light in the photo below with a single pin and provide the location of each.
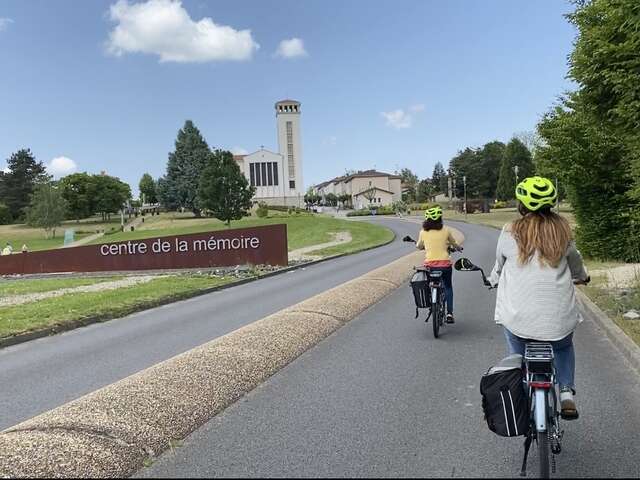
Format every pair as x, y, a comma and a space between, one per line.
538, 384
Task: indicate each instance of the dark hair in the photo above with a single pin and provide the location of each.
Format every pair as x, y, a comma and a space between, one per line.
429, 224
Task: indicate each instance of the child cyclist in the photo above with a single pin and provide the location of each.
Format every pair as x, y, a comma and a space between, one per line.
536, 267
436, 239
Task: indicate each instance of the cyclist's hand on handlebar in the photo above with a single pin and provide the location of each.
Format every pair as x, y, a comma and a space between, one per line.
582, 282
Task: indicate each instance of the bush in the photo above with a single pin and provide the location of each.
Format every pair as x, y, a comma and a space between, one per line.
387, 210
5, 215
263, 210
500, 204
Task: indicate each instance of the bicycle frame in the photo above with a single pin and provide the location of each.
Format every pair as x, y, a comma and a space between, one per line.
540, 380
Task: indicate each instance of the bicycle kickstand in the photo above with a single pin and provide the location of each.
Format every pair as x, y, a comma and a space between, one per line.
527, 446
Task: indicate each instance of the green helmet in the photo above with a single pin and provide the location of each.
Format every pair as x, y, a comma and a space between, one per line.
433, 213
536, 192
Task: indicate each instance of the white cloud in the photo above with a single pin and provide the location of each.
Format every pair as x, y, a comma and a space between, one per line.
239, 151
291, 48
4, 23
164, 28
61, 166
400, 118
332, 140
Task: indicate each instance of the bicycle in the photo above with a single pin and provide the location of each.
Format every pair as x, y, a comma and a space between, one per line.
542, 388
435, 302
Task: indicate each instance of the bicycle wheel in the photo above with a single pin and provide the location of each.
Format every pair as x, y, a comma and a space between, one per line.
437, 315
544, 448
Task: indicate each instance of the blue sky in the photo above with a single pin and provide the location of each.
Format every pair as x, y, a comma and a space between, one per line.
382, 83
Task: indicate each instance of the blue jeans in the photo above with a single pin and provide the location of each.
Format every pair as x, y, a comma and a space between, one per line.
565, 356
447, 282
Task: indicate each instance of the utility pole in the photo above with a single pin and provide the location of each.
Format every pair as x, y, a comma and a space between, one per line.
464, 181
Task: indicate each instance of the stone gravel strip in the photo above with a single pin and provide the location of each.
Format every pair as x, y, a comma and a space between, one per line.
112, 432
97, 287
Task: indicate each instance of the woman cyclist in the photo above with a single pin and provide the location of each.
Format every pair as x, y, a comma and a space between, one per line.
536, 267
436, 239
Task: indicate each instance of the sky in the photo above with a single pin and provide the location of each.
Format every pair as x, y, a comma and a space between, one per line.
106, 84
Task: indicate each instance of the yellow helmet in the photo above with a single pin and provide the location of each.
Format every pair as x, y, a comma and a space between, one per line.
536, 192
433, 213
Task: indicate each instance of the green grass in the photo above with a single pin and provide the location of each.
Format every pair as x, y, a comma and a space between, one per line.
615, 305
106, 304
303, 230
496, 218
364, 235
34, 238
21, 287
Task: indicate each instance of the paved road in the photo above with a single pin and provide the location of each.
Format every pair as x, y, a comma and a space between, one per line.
43, 374
382, 398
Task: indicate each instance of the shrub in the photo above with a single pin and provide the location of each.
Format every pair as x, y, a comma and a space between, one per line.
387, 210
263, 210
500, 204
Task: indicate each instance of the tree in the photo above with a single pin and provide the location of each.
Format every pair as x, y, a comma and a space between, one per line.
78, 189
47, 208
515, 154
223, 189
491, 155
606, 65
185, 165
17, 185
468, 163
331, 199
110, 194
590, 159
410, 184
147, 187
439, 178
426, 191
5, 215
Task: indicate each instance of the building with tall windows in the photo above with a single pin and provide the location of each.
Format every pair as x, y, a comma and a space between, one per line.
278, 176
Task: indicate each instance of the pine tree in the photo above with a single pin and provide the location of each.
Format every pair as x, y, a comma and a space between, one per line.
224, 190
439, 178
17, 185
185, 165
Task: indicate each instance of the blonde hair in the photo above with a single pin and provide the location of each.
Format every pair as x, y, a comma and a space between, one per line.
544, 232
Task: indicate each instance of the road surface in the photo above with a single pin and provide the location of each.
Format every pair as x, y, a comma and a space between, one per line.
382, 398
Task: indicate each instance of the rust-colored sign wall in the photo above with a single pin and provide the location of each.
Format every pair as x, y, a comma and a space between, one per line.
265, 245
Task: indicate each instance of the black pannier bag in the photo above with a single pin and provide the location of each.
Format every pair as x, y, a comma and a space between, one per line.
504, 399
420, 287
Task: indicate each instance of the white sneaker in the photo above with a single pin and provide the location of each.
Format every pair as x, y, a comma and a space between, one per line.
568, 409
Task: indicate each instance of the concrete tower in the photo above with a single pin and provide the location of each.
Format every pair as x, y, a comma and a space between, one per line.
290, 147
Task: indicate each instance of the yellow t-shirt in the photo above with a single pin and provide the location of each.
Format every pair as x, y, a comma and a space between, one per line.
435, 243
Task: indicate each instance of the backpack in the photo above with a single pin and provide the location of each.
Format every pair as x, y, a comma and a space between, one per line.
504, 399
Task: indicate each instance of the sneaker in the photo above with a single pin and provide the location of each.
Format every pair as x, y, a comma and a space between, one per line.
450, 318
568, 409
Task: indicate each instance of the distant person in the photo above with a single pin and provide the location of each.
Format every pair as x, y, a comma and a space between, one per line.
436, 239
537, 264
25, 249
8, 249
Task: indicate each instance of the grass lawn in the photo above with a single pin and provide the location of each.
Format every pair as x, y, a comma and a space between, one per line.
34, 238
497, 218
615, 305
21, 287
303, 229
106, 304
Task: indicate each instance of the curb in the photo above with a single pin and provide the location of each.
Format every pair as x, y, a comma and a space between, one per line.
85, 322
620, 340
116, 430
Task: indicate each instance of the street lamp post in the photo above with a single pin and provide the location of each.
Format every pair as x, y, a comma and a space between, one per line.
464, 181
515, 169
